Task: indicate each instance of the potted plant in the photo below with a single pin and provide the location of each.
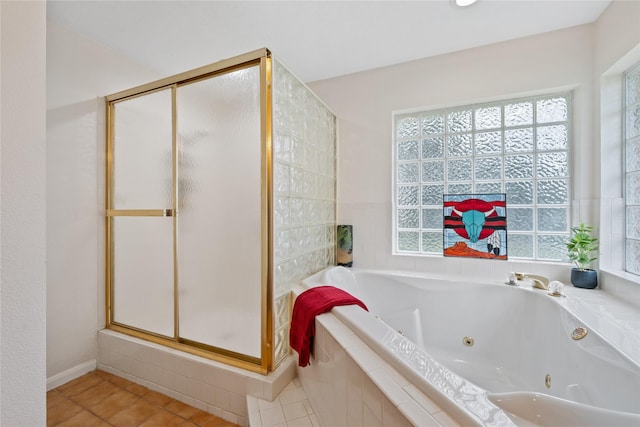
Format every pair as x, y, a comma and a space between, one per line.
345, 245
580, 250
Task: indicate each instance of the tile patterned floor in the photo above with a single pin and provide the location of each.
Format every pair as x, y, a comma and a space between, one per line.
100, 399
290, 409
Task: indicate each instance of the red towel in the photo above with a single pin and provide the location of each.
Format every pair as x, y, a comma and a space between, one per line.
308, 305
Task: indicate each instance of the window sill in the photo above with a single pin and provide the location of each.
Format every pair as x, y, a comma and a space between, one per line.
621, 285
622, 275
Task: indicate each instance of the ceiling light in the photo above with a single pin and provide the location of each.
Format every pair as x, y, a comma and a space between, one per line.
463, 3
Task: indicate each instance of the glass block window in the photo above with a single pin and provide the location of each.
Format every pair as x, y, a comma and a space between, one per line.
632, 168
520, 147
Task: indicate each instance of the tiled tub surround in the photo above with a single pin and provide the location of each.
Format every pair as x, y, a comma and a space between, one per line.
522, 331
348, 384
205, 384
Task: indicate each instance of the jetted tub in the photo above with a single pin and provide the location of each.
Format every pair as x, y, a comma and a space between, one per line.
484, 351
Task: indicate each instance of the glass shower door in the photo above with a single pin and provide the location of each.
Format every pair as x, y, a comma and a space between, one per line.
219, 255
142, 285
188, 228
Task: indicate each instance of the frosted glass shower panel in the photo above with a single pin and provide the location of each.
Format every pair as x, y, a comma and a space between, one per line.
143, 273
220, 211
143, 136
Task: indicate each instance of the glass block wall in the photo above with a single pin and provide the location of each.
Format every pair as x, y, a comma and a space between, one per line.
304, 185
632, 169
519, 147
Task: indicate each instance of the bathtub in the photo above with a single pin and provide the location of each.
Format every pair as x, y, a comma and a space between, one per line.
491, 354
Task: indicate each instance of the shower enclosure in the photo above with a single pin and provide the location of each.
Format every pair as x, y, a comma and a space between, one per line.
220, 196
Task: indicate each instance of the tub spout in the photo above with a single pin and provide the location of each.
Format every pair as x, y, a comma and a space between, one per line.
539, 282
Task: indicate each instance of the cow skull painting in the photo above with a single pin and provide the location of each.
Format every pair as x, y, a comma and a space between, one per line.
475, 225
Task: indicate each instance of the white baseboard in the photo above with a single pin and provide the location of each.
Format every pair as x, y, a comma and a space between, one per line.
70, 374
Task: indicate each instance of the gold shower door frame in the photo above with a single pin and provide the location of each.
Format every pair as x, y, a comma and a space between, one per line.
261, 58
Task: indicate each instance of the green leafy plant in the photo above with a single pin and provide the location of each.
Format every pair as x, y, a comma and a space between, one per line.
581, 245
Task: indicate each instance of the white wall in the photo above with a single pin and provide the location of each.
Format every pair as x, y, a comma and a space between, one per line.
364, 103
22, 215
79, 74
616, 32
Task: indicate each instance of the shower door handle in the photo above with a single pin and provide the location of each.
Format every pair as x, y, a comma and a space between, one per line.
140, 212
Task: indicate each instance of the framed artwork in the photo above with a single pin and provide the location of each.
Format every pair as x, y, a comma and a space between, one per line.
475, 225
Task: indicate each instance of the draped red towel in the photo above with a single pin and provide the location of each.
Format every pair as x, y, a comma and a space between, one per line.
308, 305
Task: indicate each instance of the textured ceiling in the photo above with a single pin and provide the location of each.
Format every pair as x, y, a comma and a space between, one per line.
316, 39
